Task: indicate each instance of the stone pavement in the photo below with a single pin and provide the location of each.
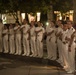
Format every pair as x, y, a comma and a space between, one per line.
16, 65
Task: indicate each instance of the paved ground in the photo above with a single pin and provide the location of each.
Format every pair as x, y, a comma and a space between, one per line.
17, 65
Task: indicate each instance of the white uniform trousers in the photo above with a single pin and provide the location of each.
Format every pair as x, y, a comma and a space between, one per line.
59, 45
33, 45
26, 47
39, 45
53, 48
65, 55
72, 58
49, 52
5, 44
18, 44
12, 44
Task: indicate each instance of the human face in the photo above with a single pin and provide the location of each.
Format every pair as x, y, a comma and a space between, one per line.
39, 24
58, 22
52, 24
24, 22
69, 25
65, 27
16, 24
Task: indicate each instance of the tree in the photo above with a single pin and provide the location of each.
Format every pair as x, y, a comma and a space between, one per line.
44, 6
3, 6
13, 8
63, 5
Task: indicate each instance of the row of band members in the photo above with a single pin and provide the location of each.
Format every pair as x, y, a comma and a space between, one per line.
61, 37
25, 34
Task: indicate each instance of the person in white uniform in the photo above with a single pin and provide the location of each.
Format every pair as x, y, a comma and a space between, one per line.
65, 46
59, 42
39, 37
71, 48
33, 39
25, 30
1, 27
51, 41
11, 39
17, 39
5, 39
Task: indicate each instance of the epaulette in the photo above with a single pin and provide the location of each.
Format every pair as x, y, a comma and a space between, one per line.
72, 28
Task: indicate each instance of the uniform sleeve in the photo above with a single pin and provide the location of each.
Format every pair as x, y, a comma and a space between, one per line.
28, 26
22, 26
5, 31
14, 28
73, 30
43, 30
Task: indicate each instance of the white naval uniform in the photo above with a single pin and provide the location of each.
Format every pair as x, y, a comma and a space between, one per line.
39, 43
18, 40
33, 41
5, 40
26, 46
11, 41
1, 46
51, 43
72, 53
59, 45
65, 49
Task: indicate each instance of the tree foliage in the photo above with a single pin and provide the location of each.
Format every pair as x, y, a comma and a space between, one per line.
35, 5
63, 5
3, 6
27, 6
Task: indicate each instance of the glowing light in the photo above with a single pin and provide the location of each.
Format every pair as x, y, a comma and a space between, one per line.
71, 11
47, 23
23, 16
31, 18
38, 16
4, 19
56, 12
60, 17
